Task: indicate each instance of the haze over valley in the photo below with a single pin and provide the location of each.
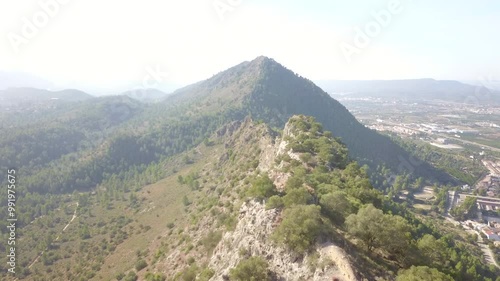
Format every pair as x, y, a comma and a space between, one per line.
234, 140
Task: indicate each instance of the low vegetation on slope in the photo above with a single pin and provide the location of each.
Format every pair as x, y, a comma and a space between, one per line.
456, 163
164, 220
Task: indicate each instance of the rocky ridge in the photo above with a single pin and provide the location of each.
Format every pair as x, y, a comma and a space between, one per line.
252, 235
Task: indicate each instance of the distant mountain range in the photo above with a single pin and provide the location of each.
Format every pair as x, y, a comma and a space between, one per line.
32, 96
413, 89
17, 79
15, 96
16, 87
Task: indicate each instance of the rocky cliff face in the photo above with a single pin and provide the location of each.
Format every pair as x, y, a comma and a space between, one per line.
252, 235
270, 152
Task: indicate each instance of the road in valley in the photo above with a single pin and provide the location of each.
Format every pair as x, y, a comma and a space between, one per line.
487, 253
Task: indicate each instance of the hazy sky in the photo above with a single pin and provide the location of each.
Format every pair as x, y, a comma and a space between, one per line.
112, 43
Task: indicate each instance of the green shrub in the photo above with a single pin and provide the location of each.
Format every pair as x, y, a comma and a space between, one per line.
189, 274
211, 240
305, 157
231, 222
131, 276
251, 269
336, 206
262, 187
313, 261
300, 226
274, 201
140, 264
417, 273
206, 274
155, 277
185, 201
294, 182
299, 196
244, 253
119, 276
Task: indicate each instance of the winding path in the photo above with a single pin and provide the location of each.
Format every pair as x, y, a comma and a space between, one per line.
58, 236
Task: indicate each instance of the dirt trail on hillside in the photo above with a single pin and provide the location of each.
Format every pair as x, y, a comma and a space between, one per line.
344, 270
58, 236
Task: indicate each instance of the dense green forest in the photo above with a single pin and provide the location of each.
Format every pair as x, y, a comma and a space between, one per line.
122, 156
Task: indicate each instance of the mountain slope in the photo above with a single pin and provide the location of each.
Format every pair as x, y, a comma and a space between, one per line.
46, 144
267, 91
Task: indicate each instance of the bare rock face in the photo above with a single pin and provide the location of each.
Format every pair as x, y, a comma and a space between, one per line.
268, 154
270, 151
267, 161
228, 129
252, 237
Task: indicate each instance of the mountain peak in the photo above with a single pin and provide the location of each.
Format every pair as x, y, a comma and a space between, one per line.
262, 60
231, 84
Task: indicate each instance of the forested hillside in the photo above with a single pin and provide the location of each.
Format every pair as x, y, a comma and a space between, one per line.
82, 144
182, 219
99, 153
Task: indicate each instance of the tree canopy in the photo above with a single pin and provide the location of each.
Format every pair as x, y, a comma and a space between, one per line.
422, 273
251, 269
